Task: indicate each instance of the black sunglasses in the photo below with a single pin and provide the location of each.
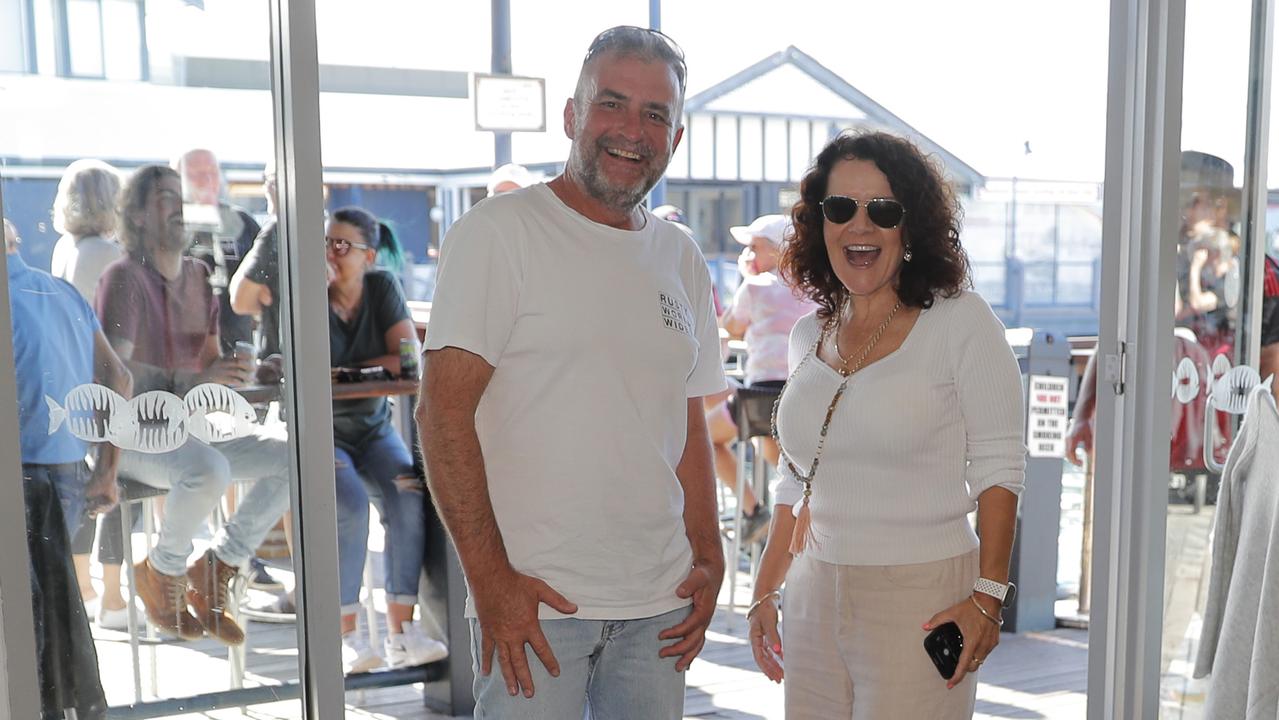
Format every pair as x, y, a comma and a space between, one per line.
884, 212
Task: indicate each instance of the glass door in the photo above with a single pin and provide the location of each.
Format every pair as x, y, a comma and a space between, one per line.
156, 343
1218, 305
1186, 160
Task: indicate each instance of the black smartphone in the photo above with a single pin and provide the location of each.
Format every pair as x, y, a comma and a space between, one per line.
944, 645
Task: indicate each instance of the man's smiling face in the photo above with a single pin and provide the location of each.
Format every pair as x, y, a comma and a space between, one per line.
624, 125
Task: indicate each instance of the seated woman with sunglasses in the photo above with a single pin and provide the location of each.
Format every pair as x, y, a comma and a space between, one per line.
902, 414
368, 319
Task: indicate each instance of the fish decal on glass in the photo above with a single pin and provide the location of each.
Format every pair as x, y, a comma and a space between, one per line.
155, 421
87, 411
1185, 383
1220, 366
1230, 393
216, 413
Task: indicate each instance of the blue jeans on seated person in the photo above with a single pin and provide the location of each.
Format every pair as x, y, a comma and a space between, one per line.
196, 475
369, 472
608, 666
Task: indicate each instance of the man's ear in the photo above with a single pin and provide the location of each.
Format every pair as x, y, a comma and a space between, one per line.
570, 119
679, 135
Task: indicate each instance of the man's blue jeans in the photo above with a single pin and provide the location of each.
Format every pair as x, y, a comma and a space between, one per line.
70, 481
610, 666
370, 472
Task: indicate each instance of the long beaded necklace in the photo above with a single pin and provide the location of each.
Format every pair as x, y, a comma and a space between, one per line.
803, 534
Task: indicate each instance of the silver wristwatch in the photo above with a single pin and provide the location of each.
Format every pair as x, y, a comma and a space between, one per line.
1001, 592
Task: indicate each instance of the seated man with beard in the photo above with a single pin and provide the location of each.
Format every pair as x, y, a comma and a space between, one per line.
160, 315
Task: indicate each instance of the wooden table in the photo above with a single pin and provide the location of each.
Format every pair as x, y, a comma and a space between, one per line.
341, 391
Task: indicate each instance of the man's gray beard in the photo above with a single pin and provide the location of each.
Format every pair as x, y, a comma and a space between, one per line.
618, 198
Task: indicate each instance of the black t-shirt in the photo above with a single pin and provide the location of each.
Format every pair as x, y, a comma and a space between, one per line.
262, 266
361, 340
221, 252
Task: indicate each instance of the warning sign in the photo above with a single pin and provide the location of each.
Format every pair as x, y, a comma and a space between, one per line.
1046, 414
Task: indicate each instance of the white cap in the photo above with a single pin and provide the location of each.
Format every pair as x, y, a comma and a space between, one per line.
510, 173
776, 228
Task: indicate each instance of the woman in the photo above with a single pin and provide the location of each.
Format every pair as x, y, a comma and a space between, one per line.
84, 211
763, 312
902, 414
368, 319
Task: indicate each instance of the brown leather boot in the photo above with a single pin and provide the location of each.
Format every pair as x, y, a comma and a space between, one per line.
165, 599
209, 592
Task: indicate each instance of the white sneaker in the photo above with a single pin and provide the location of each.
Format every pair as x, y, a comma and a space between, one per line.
413, 647
117, 619
357, 656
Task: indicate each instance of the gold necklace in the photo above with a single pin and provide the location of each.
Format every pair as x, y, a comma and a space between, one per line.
870, 345
803, 533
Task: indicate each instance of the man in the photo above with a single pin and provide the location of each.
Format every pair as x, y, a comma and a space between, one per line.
161, 317
572, 339
220, 235
57, 346
257, 281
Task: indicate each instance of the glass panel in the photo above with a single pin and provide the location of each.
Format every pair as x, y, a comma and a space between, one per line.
156, 451
13, 37
46, 37
726, 158
388, 202
84, 37
800, 137
702, 150
1212, 314
124, 39
775, 143
752, 150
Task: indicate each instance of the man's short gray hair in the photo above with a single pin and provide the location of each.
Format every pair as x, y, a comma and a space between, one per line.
632, 41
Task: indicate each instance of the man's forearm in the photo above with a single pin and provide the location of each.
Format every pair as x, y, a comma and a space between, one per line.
459, 488
697, 477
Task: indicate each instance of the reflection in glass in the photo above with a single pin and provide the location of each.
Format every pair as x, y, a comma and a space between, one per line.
151, 401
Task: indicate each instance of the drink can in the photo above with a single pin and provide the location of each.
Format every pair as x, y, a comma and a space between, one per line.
408, 359
244, 349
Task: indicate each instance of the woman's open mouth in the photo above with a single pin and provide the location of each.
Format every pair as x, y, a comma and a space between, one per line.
861, 255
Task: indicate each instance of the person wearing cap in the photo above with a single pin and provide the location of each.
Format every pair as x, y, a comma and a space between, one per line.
509, 177
763, 312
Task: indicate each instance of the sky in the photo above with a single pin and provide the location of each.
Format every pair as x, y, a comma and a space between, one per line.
982, 78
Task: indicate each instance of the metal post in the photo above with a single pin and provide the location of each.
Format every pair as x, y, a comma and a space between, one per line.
501, 65
1034, 559
657, 196
19, 685
303, 319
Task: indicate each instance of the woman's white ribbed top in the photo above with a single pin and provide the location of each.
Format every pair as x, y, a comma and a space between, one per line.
917, 437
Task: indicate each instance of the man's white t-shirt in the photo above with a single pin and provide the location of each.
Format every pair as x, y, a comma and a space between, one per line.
598, 337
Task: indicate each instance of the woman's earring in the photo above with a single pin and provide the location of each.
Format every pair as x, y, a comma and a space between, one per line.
908, 254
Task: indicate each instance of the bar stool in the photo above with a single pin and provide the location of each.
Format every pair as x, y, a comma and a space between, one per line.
136, 493
752, 408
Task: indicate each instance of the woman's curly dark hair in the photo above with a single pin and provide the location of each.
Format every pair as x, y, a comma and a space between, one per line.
930, 229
